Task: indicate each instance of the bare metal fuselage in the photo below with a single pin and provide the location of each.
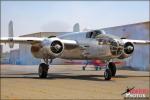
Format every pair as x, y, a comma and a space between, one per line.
88, 48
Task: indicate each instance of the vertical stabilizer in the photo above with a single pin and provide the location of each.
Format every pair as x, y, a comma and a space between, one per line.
10, 34
76, 27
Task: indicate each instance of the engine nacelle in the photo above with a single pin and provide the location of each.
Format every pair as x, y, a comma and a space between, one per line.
120, 49
115, 48
49, 48
128, 49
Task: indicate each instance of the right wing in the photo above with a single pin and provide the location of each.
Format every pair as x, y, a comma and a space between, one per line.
22, 40
69, 44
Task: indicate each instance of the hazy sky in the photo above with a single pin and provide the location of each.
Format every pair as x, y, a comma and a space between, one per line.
35, 16
38, 16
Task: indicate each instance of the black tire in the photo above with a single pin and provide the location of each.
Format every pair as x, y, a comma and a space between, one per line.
107, 74
43, 70
112, 67
83, 68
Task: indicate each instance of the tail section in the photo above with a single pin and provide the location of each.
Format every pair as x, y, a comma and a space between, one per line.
10, 33
76, 27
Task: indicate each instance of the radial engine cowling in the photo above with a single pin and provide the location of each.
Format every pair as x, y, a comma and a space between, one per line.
56, 47
49, 48
128, 49
115, 48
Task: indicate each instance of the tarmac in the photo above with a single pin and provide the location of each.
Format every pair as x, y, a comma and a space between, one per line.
67, 82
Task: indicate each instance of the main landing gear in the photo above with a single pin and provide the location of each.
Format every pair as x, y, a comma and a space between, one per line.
43, 68
112, 67
110, 71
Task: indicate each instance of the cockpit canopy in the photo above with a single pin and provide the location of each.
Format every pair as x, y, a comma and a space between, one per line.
93, 33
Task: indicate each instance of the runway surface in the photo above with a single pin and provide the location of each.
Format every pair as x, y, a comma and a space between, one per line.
67, 82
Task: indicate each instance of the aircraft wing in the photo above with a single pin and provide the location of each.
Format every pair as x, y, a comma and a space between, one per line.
137, 41
69, 44
21, 40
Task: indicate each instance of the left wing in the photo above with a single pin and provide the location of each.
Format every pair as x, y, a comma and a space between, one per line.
136, 41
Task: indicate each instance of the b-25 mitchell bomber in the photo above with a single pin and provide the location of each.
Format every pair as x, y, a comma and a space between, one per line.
90, 45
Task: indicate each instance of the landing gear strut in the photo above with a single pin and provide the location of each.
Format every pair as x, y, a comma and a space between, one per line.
112, 67
43, 68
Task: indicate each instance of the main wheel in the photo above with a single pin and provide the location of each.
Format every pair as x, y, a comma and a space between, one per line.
43, 70
107, 74
112, 67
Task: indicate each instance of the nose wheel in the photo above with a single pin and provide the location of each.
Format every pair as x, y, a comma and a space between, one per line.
43, 70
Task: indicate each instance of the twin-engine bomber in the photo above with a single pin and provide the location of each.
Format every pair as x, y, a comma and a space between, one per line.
91, 45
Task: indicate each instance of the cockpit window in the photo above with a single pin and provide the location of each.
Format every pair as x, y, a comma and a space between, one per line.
93, 34
51, 36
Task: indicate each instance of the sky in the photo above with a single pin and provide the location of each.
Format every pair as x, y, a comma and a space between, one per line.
60, 16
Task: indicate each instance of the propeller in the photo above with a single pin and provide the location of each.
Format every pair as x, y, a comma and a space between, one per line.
128, 48
56, 47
